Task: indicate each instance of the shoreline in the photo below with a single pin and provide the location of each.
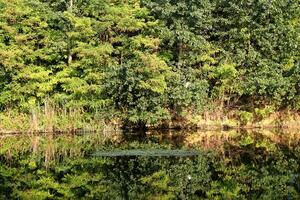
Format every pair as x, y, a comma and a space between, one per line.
183, 129
18, 123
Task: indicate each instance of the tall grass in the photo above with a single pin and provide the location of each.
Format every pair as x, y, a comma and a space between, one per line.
210, 120
53, 118
49, 118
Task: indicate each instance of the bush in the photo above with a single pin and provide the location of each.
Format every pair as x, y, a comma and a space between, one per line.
245, 117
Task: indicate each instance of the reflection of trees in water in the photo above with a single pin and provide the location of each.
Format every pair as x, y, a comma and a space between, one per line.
140, 177
220, 140
256, 163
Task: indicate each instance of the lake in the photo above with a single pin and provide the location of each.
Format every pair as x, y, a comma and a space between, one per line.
168, 164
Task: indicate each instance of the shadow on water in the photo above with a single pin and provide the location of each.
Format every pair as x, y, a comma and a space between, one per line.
173, 137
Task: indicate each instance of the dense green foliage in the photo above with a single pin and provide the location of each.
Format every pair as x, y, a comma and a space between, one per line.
252, 166
150, 61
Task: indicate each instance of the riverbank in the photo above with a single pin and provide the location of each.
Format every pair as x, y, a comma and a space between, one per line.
77, 121
49, 121
246, 120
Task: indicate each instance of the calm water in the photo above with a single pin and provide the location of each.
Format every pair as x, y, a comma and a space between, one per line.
257, 164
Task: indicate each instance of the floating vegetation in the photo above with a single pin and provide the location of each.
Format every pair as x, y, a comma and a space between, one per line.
148, 153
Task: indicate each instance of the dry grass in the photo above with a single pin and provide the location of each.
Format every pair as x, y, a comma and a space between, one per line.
214, 120
49, 119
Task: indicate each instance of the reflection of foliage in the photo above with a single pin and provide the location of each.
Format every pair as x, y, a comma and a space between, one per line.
254, 168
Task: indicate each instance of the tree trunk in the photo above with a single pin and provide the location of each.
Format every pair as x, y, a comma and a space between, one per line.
71, 5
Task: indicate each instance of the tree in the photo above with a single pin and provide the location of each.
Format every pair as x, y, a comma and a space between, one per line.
261, 39
184, 30
136, 85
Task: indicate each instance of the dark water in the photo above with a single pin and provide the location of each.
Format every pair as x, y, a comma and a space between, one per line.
257, 164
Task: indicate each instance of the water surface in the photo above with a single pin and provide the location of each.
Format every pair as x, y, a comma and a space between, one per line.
235, 164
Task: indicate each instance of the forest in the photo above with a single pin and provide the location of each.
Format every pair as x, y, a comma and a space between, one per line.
142, 63
150, 99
